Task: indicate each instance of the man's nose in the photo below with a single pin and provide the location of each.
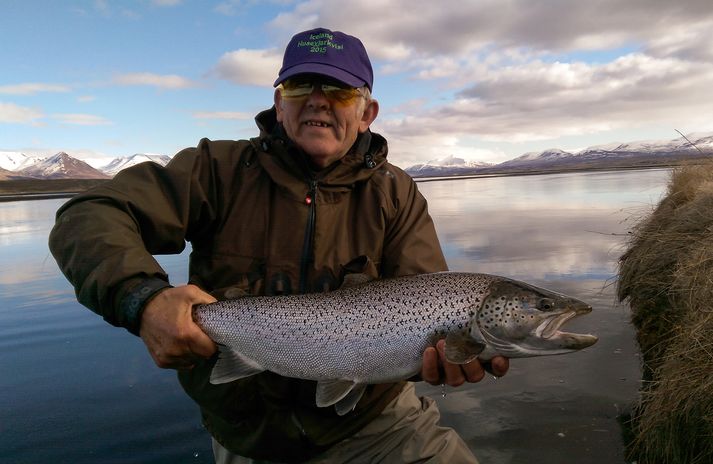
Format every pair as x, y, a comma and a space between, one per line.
317, 98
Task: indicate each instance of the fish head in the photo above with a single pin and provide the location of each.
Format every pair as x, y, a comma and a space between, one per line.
520, 320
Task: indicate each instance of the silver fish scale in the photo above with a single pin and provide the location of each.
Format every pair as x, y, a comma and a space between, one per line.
372, 333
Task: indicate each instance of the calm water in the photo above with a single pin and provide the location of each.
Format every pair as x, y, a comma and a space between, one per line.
74, 389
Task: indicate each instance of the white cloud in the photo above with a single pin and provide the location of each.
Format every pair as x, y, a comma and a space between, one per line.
32, 88
229, 7
221, 115
547, 100
166, 2
11, 113
86, 98
250, 67
81, 119
430, 28
169, 81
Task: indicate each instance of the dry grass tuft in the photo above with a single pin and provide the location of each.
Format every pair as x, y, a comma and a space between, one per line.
667, 276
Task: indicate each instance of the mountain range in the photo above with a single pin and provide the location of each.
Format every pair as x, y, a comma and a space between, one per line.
614, 155
17, 165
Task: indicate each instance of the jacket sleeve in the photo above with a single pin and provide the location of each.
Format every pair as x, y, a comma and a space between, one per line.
411, 245
104, 239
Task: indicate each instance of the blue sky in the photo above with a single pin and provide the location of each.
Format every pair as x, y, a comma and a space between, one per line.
485, 80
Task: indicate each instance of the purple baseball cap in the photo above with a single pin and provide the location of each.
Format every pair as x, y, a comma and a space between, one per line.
330, 53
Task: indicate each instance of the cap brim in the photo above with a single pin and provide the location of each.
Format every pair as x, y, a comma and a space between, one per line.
323, 69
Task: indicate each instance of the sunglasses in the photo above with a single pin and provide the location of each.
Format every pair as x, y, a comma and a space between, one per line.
303, 89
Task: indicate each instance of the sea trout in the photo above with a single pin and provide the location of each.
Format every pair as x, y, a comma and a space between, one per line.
376, 332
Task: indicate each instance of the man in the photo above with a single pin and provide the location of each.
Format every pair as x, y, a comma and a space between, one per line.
293, 210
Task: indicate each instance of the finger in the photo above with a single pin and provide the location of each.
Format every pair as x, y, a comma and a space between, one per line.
182, 361
474, 371
199, 296
429, 370
500, 366
201, 345
182, 366
453, 372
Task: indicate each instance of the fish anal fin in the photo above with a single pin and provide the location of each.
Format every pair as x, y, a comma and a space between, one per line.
349, 402
461, 348
231, 365
332, 391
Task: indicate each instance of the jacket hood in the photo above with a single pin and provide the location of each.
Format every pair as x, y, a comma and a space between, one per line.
364, 158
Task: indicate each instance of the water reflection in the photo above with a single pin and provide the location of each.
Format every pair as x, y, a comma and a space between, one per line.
540, 227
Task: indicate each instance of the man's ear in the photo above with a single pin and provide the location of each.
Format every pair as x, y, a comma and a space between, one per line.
370, 113
278, 104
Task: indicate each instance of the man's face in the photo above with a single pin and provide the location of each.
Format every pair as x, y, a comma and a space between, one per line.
325, 128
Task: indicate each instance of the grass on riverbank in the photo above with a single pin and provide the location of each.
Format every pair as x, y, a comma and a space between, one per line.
666, 276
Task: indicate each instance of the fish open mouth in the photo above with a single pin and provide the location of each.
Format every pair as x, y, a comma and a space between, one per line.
550, 329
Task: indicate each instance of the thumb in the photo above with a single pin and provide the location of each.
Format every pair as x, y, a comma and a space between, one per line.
199, 342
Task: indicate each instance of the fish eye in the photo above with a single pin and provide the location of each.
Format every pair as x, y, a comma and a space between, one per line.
546, 304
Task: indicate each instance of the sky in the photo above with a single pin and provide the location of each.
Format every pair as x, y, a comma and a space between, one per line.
483, 80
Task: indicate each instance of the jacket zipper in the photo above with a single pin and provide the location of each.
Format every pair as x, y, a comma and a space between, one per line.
308, 245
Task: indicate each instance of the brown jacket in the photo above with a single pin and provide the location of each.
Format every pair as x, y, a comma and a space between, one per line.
260, 222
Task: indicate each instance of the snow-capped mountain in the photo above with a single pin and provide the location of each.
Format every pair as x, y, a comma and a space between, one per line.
15, 160
613, 154
15, 165
123, 162
449, 165
61, 166
5, 174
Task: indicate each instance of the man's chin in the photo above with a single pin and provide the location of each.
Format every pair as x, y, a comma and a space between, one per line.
320, 159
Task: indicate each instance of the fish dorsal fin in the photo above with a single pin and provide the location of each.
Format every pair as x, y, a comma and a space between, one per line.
354, 280
349, 402
461, 348
231, 365
330, 392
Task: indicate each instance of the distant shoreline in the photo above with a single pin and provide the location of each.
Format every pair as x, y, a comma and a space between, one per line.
41, 189
538, 172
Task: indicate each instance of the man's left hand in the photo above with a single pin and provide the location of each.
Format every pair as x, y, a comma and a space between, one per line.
436, 369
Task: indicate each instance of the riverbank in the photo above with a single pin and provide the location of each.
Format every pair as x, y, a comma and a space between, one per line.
38, 189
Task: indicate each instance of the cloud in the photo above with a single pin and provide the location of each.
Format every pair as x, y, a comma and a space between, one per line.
229, 7
541, 100
32, 88
81, 119
11, 113
169, 81
426, 28
166, 2
86, 98
221, 115
250, 67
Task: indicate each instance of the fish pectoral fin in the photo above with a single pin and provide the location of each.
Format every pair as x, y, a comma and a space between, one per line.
349, 402
332, 391
231, 365
461, 348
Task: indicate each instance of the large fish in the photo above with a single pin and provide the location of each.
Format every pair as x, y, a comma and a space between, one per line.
376, 332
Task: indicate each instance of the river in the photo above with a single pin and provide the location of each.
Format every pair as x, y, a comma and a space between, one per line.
74, 389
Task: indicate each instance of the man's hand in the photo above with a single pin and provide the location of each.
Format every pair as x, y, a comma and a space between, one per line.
436, 370
167, 328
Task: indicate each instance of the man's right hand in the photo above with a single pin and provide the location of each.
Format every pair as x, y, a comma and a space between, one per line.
167, 328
